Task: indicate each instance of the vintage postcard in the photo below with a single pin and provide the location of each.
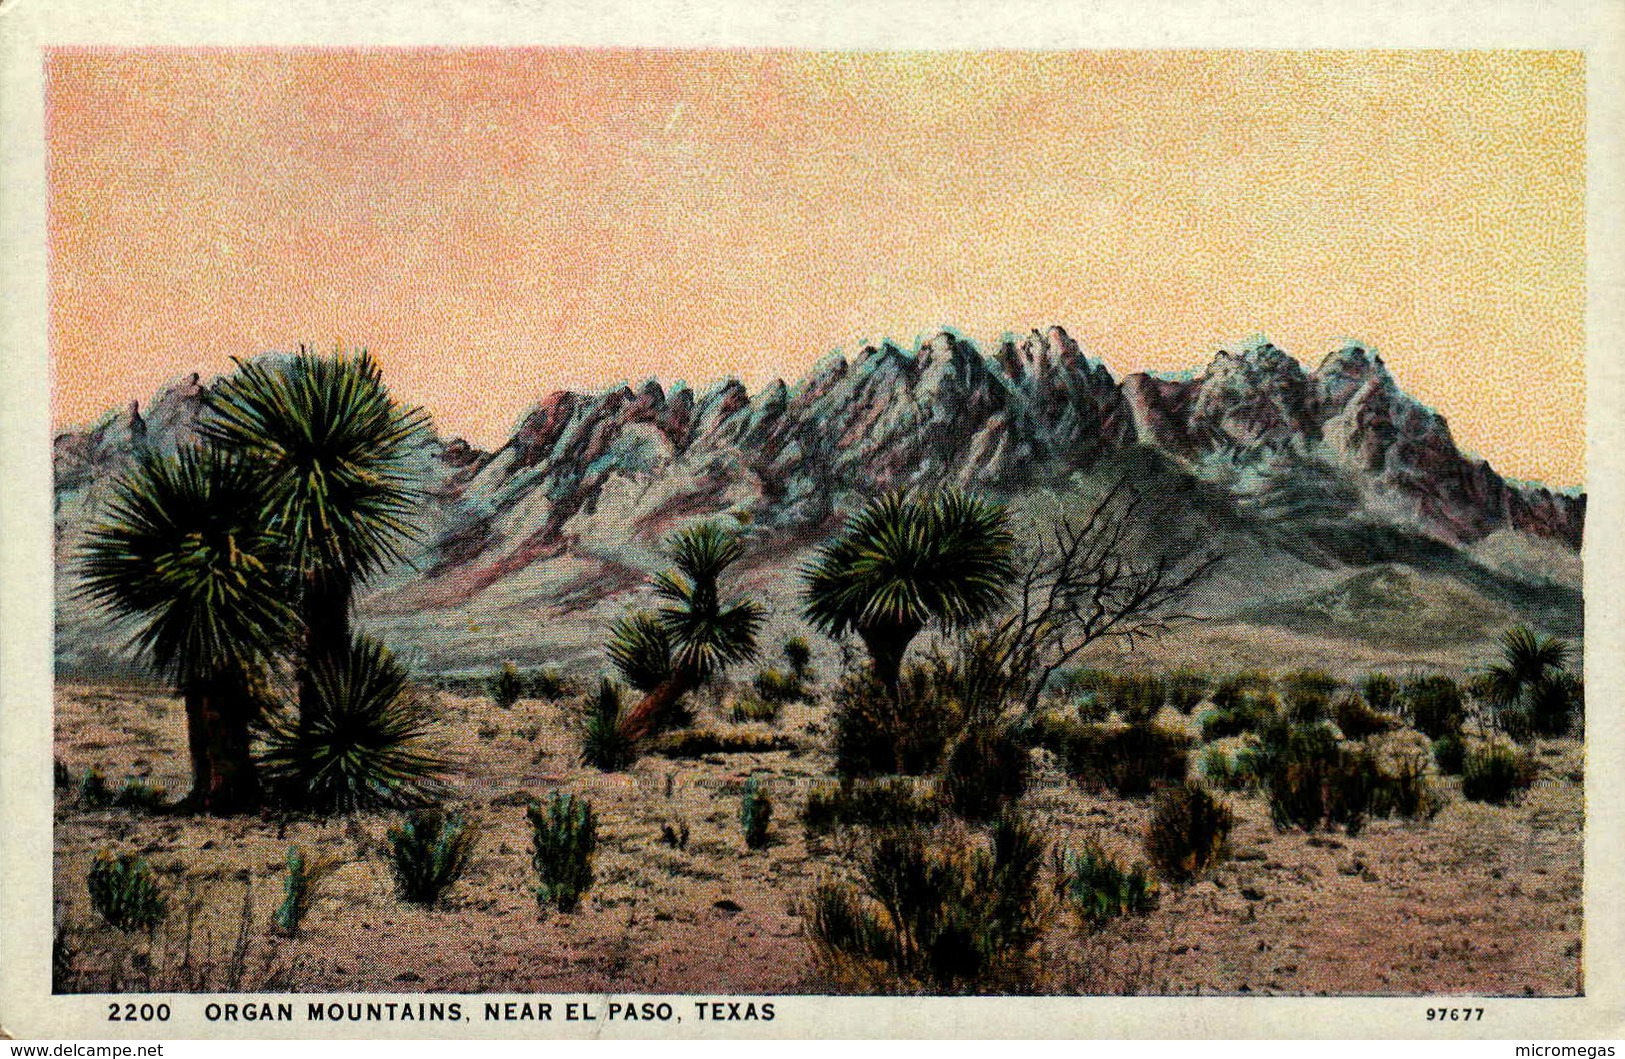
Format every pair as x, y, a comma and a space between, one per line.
734, 528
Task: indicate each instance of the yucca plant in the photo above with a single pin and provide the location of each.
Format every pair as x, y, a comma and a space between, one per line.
184, 551
333, 451
93, 790
704, 632
299, 890
604, 745
755, 813
429, 851
564, 838
1496, 774
1100, 888
798, 653
640, 650
123, 892
366, 746
1187, 832
904, 562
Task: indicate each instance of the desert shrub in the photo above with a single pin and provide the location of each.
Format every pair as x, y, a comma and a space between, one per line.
61, 778
93, 790
1186, 687
364, 743
776, 686
1248, 684
985, 772
428, 851
1100, 889
1226, 771
877, 734
1450, 753
1380, 691
1552, 705
1401, 788
1137, 698
139, 794
1249, 713
299, 888
640, 649
1312, 779
750, 707
550, 684
1432, 705
798, 653
675, 837
755, 813
604, 744
882, 803
698, 742
936, 916
1308, 694
1357, 720
1129, 760
506, 686
124, 893
564, 838
1187, 832
1496, 774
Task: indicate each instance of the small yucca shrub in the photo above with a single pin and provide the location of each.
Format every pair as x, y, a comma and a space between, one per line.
1187, 832
1100, 889
429, 851
124, 893
1380, 692
1496, 774
506, 686
1312, 780
1137, 697
1249, 713
299, 889
1130, 761
1186, 688
1433, 705
365, 744
564, 838
604, 744
1308, 694
878, 734
755, 814
776, 686
751, 707
1228, 772
93, 790
798, 654
550, 684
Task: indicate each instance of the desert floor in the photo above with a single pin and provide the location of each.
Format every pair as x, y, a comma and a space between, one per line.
1479, 900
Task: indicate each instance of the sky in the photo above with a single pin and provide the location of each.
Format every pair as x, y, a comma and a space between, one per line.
499, 224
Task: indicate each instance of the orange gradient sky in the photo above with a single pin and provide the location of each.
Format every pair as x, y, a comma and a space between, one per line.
499, 224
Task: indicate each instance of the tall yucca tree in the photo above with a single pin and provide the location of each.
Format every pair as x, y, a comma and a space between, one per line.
905, 561
703, 632
336, 449
183, 550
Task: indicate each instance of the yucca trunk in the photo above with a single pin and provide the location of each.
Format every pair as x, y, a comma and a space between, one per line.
224, 779
647, 716
325, 613
887, 643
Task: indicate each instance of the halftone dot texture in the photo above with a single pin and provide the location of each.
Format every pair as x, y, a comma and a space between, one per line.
498, 224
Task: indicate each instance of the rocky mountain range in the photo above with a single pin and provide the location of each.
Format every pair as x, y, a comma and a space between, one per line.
1313, 483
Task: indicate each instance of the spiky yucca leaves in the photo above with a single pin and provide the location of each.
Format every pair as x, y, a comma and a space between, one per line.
640, 649
182, 551
1528, 686
903, 562
123, 892
564, 839
335, 449
299, 890
705, 632
366, 747
428, 852
603, 745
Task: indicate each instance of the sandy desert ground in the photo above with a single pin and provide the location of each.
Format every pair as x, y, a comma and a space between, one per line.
1479, 900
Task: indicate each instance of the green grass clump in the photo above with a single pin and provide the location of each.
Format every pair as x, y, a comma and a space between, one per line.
1380, 691
1100, 889
1433, 705
1312, 779
1186, 688
1129, 760
564, 838
299, 890
755, 814
93, 790
124, 893
1357, 720
1496, 774
935, 915
550, 684
751, 707
877, 734
1188, 831
882, 803
428, 852
604, 745
777, 687
1450, 753
506, 686
139, 794
1308, 694
1226, 771
1248, 713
